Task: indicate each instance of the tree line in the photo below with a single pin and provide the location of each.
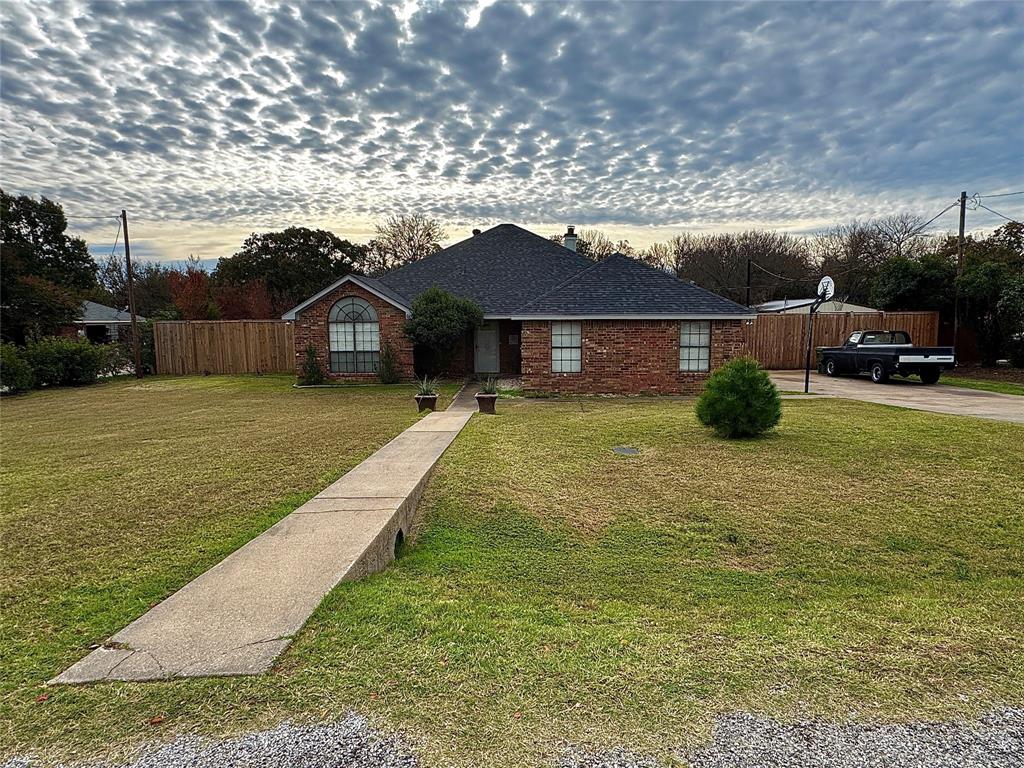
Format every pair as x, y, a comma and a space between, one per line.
887, 263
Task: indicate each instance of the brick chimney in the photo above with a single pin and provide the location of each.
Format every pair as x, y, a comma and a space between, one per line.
569, 239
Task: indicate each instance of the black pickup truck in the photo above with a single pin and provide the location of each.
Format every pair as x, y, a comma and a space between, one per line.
884, 354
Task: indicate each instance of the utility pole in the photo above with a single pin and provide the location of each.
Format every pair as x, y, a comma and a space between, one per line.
131, 295
748, 282
959, 268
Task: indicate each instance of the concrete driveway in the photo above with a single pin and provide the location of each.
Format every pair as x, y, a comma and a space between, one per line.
909, 394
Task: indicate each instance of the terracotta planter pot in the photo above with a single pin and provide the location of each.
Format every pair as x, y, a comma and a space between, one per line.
485, 402
426, 402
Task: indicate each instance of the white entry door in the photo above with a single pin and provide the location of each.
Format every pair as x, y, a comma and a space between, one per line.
485, 348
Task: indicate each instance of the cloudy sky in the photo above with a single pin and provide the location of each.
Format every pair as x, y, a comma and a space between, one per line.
209, 121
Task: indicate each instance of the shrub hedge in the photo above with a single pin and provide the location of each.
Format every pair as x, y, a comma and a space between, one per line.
54, 362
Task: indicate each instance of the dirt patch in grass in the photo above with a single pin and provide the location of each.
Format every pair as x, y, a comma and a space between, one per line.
862, 562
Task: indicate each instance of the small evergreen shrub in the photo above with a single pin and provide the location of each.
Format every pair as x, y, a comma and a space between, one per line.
388, 372
15, 372
740, 400
312, 373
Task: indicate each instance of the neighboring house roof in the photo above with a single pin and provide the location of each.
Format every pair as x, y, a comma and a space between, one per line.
101, 314
368, 283
513, 273
620, 286
831, 306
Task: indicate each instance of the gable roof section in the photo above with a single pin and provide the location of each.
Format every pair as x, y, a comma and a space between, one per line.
513, 273
94, 313
621, 287
501, 269
375, 287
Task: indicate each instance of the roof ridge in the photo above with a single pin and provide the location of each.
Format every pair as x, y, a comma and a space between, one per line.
568, 280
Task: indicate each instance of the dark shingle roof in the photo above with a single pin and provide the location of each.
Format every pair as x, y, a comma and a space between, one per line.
371, 284
511, 272
501, 269
620, 285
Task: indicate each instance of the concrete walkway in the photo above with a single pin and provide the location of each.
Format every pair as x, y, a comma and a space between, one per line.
240, 615
937, 398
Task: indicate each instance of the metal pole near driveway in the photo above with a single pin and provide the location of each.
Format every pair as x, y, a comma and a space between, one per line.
826, 290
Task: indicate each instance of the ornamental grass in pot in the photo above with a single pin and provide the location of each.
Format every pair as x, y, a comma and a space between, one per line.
487, 395
426, 394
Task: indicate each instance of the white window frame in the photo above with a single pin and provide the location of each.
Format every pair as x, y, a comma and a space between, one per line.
566, 347
695, 346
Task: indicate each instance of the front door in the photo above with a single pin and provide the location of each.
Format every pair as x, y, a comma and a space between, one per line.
485, 348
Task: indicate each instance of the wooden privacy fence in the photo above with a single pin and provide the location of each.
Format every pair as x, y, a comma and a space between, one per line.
223, 346
778, 341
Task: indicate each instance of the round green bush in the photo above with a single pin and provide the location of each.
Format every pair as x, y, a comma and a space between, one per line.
740, 400
58, 361
15, 373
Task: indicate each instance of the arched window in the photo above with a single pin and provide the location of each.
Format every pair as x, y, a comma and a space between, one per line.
354, 337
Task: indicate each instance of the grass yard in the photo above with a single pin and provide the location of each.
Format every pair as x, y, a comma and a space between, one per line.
115, 495
986, 385
864, 561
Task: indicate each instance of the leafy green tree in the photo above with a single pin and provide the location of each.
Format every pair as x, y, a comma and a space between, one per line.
915, 284
439, 322
292, 264
980, 288
44, 273
1010, 311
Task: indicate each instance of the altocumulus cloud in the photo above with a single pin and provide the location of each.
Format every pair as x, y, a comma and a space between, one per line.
234, 116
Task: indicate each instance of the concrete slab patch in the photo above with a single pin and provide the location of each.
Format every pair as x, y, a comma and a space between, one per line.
937, 398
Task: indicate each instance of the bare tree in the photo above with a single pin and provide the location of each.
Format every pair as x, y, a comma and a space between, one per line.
718, 262
656, 255
402, 240
902, 234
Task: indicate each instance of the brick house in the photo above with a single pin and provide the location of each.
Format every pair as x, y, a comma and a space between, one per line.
562, 322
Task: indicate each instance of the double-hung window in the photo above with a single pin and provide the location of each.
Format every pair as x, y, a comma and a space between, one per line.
354, 336
695, 345
566, 347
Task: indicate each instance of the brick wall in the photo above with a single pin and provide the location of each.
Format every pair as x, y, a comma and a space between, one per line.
311, 328
625, 357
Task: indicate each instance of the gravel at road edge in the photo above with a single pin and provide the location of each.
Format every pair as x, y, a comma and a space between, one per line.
738, 741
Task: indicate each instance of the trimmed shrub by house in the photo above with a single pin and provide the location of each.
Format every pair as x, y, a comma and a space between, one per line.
15, 372
740, 400
312, 373
388, 371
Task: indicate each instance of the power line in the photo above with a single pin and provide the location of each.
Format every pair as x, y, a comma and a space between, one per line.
116, 237
1002, 194
997, 213
933, 218
71, 215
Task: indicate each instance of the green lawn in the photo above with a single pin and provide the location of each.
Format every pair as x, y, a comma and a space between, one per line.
986, 385
115, 495
864, 561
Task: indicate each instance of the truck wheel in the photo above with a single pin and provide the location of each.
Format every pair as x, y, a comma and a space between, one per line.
878, 373
830, 367
929, 375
